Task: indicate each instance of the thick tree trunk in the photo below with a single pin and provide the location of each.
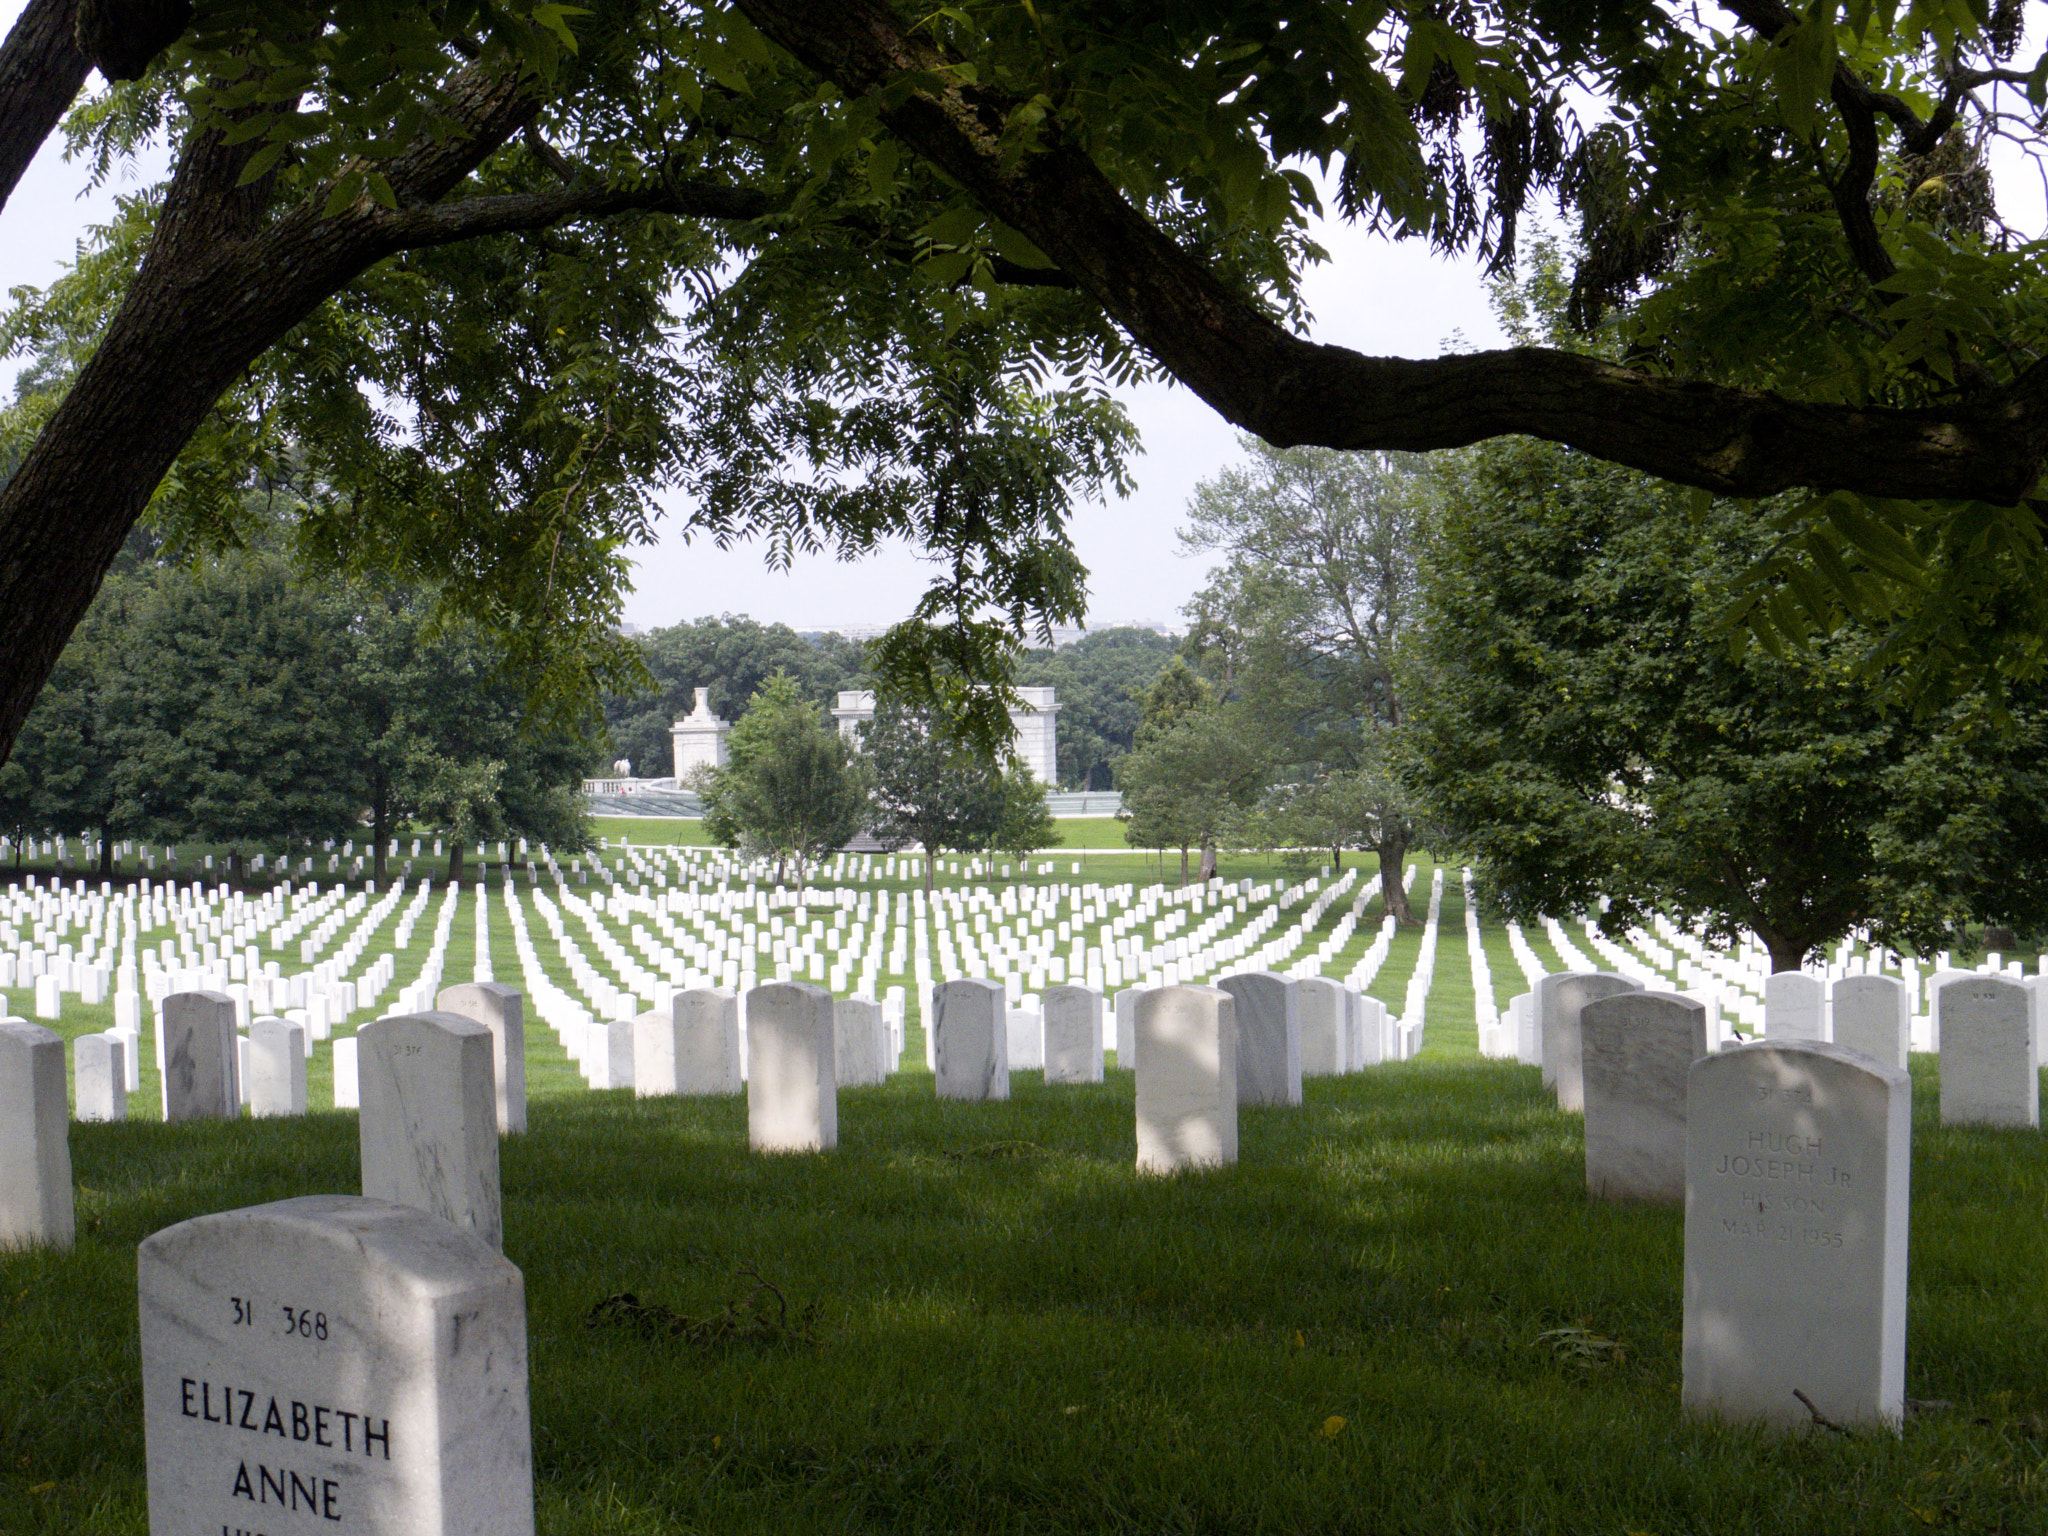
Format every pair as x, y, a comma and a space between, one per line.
41, 72
1787, 954
456, 849
1208, 862
1183, 867
380, 826
1393, 855
106, 851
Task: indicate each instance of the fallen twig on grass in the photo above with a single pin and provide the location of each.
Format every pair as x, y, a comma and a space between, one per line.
760, 1317
1818, 1417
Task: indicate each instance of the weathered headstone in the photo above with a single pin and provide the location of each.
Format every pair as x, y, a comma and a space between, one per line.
347, 1081
616, 1066
792, 1087
692, 1049
971, 1035
1636, 1049
200, 1045
1522, 1014
501, 1010
333, 1363
1871, 1015
1073, 1035
100, 1076
1025, 1031
1794, 1006
1990, 1066
1126, 1006
858, 1036
1324, 1014
429, 1122
1187, 1078
1268, 1037
35, 1146
1372, 1031
277, 1068
1797, 1158
1559, 997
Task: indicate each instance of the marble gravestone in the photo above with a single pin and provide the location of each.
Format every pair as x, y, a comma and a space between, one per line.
617, 1045
200, 1046
277, 1068
347, 1081
36, 1208
1872, 1015
1559, 997
501, 1010
859, 1037
1073, 1035
1797, 1159
1126, 1009
1635, 1051
1025, 1031
971, 1040
792, 1081
1793, 1007
333, 1364
1268, 1037
1990, 1064
693, 1049
429, 1122
1372, 1030
1324, 1011
1187, 1078
99, 1068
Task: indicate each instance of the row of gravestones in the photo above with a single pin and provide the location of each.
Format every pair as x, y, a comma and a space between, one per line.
363, 1360
1792, 1158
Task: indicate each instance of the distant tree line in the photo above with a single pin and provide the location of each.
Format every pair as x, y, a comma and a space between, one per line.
230, 702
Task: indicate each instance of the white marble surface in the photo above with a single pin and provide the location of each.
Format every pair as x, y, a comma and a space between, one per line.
1126, 1007
199, 1057
1325, 1014
1990, 1067
1797, 1158
501, 1010
277, 1068
35, 1147
333, 1364
971, 1040
694, 1049
1187, 1078
1794, 1006
1871, 1014
1268, 1037
1635, 1051
792, 1080
1073, 1035
1025, 1032
859, 1051
1559, 997
100, 1075
429, 1125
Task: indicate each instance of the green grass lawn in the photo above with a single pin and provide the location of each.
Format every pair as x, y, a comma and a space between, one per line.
1013, 1332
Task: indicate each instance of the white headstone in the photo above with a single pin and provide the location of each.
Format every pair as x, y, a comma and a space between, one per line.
1636, 1049
618, 1054
501, 1010
1372, 1030
100, 1075
1990, 1066
692, 1049
1872, 1014
347, 1082
859, 1042
792, 1087
1127, 1028
200, 1046
1559, 997
1073, 1035
971, 1035
1187, 1078
277, 1068
429, 1122
1025, 1031
1793, 1007
1324, 1012
35, 1146
333, 1363
1268, 1037
1796, 1170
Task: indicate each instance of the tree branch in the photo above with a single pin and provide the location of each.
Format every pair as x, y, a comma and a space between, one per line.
41, 71
469, 217
1292, 391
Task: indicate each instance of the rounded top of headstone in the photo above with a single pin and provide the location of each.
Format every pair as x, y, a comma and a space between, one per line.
411, 1023
1800, 1054
1639, 1003
26, 1033
427, 1254
776, 991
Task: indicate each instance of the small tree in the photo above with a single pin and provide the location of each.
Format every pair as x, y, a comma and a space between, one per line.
1027, 823
1192, 785
790, 786
929, 789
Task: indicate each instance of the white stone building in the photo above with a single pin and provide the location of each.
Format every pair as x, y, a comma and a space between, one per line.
700, 739
1035, 728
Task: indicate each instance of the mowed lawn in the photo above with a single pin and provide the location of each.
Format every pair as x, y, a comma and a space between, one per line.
1398, 1313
